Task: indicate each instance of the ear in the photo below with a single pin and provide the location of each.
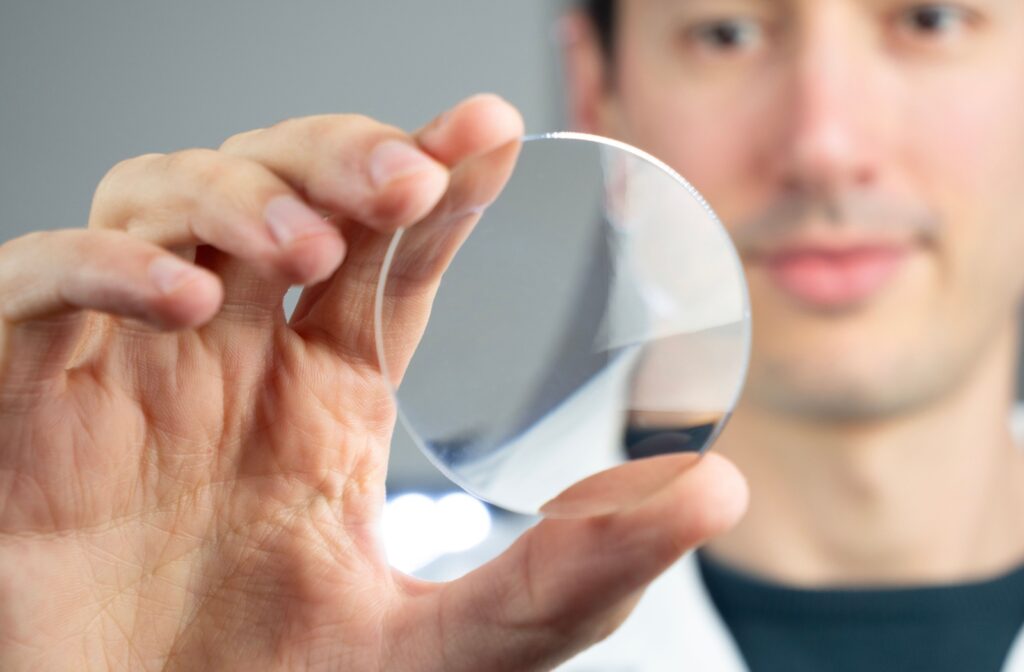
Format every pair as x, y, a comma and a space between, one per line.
589, 96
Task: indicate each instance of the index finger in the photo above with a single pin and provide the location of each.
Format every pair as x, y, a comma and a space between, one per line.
479, 139
354, 166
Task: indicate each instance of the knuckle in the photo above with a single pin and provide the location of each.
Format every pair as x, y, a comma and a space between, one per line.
333, 133
356, 129
342, 146
327, 125
219, 182
130, 166
112, 184
292, 129
213, 171
76, 243
59, 243
197, 162
12, 248
239, 140
34, 238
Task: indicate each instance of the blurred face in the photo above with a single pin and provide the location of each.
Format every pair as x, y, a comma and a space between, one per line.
868, 158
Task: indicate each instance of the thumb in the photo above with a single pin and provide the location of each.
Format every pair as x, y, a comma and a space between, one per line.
566, 584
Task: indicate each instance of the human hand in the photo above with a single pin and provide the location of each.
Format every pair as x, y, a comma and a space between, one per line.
189, 480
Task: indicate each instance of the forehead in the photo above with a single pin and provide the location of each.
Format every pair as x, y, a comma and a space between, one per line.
724, 5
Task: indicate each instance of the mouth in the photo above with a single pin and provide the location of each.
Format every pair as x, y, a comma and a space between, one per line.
833, 276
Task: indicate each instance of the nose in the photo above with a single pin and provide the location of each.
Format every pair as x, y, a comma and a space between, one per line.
833, 141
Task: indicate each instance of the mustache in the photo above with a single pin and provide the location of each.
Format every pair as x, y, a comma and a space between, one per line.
852, 214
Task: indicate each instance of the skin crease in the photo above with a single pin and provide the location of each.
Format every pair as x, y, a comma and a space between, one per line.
874, 437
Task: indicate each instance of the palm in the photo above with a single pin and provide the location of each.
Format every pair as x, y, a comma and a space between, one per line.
218, 488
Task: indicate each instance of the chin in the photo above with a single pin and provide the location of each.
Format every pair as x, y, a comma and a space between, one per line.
845, 388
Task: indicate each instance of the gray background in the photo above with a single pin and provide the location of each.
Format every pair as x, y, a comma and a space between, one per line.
86, 84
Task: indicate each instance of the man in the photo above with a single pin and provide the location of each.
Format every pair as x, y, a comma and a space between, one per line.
868, 158
191, 482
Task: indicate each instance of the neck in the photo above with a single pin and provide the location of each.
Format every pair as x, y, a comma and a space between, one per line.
935, 496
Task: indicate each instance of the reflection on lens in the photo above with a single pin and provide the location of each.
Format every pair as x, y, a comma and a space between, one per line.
595, 316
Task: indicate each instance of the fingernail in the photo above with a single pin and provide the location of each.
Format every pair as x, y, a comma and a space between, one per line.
289, 219
170, 273
435, 127
393, 159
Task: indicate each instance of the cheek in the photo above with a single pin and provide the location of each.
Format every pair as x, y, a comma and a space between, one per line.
967, 154
971, 143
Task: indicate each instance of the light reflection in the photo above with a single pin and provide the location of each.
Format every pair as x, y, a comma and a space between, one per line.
418, 530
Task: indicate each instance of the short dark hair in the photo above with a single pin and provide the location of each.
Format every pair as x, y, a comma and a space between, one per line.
602, 13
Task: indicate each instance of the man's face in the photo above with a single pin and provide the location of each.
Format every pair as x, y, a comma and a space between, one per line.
868, 157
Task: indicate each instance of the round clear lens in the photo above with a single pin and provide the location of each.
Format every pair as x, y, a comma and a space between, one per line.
594, 317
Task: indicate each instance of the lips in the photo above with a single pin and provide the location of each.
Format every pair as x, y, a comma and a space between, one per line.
834, 278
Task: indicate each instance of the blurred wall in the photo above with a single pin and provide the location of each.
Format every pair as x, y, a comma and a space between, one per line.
86, 84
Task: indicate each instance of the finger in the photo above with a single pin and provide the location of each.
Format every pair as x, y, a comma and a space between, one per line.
567, 584
427, 249
484, 134
239, 208
47, 279
470, 128
480, 140
351, 166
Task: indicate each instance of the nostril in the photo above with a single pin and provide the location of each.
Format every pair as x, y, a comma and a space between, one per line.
863, 177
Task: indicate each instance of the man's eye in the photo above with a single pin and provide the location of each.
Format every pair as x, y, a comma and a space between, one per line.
727, 35
934, 20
